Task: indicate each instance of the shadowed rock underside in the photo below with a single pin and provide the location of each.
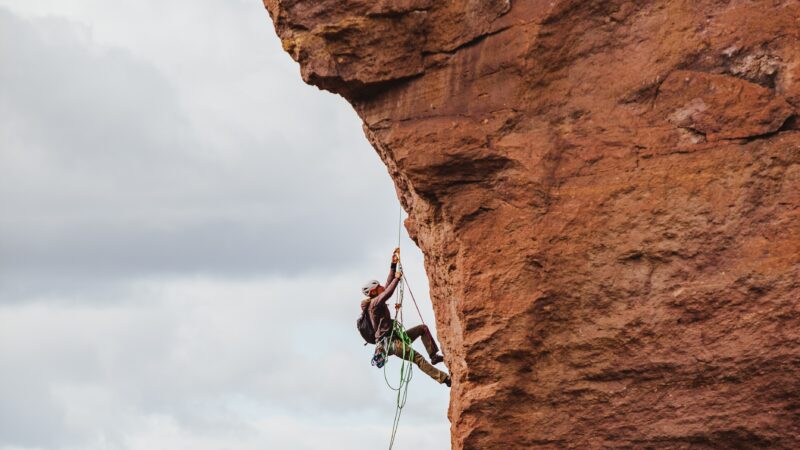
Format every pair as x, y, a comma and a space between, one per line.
607, 196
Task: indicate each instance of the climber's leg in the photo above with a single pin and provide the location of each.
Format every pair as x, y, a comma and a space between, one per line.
419, 360
427, 338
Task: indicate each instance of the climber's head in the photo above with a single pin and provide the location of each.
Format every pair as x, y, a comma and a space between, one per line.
372, 288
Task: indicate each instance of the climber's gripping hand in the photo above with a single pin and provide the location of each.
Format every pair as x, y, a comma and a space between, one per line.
398, 274
396, 256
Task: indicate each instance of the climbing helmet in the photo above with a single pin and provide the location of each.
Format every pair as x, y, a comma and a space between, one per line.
368, 286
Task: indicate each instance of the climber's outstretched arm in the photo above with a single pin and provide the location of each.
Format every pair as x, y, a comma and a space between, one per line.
390, 287
392, 272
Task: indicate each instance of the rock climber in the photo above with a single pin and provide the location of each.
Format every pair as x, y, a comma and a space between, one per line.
376, 318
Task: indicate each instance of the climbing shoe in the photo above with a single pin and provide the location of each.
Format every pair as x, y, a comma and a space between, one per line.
436, 359
447, 381
378, 360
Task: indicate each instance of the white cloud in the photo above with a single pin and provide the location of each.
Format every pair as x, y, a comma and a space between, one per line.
205, 354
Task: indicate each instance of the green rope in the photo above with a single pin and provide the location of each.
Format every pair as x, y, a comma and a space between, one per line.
406, 373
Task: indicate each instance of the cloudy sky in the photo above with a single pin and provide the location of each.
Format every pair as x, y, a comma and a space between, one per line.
185, 227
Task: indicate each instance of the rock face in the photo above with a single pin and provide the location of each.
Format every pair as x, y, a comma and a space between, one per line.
607, 194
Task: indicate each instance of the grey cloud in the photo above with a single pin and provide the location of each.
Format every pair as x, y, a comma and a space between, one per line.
204, 247
104, 174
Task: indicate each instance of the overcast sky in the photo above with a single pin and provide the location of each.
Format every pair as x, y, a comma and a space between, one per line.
185, 227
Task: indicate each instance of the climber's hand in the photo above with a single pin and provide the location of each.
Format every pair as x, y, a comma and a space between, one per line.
397, 306
396, 256
398, 274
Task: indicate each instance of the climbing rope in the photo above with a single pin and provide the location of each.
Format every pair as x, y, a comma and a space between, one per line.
406, 374
406, 353
414, 300
398, 334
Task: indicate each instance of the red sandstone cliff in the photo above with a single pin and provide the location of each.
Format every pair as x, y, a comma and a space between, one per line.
607, 194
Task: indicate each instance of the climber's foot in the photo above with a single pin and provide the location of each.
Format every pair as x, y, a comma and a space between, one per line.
436, 359
447, 381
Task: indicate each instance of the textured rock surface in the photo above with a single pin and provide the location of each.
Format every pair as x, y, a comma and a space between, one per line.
608, 197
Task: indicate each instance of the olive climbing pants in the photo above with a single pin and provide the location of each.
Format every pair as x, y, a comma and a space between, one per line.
430, 346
